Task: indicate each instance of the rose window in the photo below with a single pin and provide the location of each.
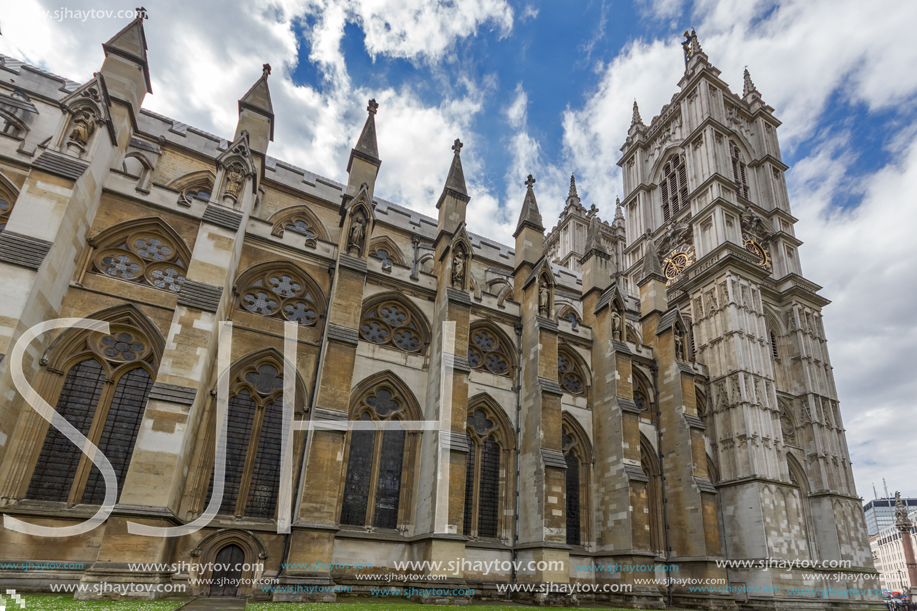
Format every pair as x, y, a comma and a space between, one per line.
487, 352
283, 295
391, 323
145, 258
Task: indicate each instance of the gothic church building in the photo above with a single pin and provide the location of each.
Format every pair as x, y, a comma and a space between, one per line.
651, 391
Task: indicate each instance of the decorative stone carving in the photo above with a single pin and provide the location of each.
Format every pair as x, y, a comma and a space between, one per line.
544, 298
84, 125
235, 176
616, 326
679, 343
357, 235
458, 270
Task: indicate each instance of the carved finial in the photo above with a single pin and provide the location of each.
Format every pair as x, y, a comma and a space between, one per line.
372, 107
619, 210
529, 181
141, 13
457, 146
749, 86
690, 45
572, 192
636, 119
265, 69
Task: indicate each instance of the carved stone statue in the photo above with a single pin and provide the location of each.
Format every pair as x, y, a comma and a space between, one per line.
616, 326
355, 239
901, 518
234, 179
85, 124
458, 269
679, 345
544, 298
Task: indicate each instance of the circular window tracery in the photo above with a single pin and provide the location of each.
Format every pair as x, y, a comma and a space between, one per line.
392, 323
487, 352
571, 379
281, 294
121, 345
144, 257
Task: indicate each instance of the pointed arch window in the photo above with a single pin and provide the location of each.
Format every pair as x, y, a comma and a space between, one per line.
489, 351
674, 186
573, 489
143, 254
377, 460
283, 292
254, 427
569, 374
393, 324
485, 489
7, 201
578, 455
108, 414
739, 170
649, 462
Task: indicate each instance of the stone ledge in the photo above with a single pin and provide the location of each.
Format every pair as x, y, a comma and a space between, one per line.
23, 250
635, 473
348, 262
342, 334
550, 387
705, 485
553, 458
454, 442
620, 347
324, 413
695, 422
59, 165
173, 393
459, 363
200, 295
222, 217
627, 405
547, 324
458, 296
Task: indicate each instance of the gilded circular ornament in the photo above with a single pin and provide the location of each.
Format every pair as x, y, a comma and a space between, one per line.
677, 261
760, 252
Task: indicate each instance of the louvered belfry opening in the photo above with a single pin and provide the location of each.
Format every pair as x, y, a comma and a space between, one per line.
738, 171
674, 186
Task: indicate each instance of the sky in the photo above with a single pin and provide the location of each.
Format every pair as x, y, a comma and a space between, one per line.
547, 88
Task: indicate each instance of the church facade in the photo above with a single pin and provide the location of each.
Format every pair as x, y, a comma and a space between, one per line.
647, 393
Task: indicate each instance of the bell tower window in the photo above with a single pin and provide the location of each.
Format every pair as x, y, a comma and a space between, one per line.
674, 186
738, 171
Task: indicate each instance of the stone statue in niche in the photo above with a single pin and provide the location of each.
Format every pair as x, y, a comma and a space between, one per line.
84, 125
458, 269
616, 326
355, 239
234, 179
544, 298
679, 344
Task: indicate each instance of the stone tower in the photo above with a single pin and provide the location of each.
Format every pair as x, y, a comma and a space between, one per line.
705, 192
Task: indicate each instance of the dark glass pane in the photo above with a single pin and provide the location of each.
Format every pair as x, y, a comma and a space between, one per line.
239, 429
573, 505
469, 485
359, 473
488, 504
59, 458
262, 492
388, 490
120, 432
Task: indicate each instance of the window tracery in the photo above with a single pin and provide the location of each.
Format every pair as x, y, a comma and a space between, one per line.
391, 323
738, 170
489, 442
281, 292
377, 455
569, 374
488, 351
7, 201
103, 395
145, 255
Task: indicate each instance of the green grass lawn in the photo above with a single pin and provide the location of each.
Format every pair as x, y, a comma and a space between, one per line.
55, 602
376, 605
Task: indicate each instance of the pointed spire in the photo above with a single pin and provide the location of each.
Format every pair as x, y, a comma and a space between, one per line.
455, 181
366, 147
636, 119
572, 192
651, 266
456, 178
619, 211
749, 86
131, 44
529, 215
258, 98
